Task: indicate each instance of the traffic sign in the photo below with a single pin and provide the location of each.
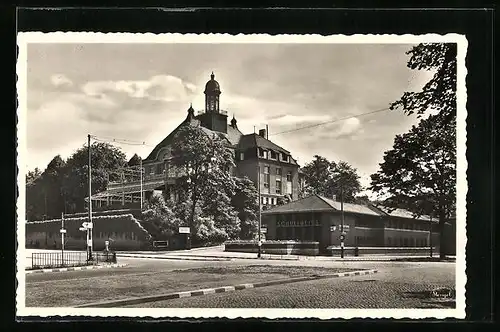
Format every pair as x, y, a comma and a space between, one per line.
83, 229
346, 228
342, 237
184, 230
62, 230
333, 228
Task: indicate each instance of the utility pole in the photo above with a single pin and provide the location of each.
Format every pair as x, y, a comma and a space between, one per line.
89, 230
430, 234
342, 235
260, 208
140, 169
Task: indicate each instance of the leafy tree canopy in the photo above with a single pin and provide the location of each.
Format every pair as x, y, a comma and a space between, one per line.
327, 178
419, 173
440, 92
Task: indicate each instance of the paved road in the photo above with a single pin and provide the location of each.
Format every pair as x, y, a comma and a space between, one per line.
396, 286
391, 287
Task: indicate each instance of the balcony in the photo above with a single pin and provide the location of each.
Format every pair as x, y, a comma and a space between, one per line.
149, 178
223, 112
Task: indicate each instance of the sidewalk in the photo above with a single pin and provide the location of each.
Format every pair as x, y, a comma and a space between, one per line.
218, 253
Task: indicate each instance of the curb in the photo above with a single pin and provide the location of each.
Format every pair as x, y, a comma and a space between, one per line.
224, 289
190, 258
76, 268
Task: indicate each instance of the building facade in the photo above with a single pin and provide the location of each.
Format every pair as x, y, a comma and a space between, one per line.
316, 218
272, 168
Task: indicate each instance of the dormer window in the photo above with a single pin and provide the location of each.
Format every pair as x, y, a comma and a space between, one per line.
284, 157
274, 155
262, 153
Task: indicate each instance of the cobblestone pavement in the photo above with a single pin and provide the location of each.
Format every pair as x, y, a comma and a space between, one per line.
396, 286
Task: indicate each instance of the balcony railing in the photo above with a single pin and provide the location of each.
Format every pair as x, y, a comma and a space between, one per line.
224, 112
146, 178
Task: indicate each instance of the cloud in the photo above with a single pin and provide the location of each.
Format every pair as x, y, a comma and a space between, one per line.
60, 80
160, 88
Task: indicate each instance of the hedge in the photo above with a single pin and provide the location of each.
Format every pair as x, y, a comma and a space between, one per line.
112, 223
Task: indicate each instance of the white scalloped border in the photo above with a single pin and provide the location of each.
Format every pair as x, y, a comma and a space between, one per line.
95, 37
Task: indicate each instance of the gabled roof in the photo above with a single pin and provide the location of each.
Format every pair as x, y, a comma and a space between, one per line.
307, 204
231, 137
400, 213
350, 208
234, 135
317, 203
256, 141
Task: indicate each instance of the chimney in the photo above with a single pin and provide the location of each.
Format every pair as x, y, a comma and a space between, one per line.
262, 133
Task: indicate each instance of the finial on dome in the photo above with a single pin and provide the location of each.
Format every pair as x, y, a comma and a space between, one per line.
233, 122
190, 112
212, 76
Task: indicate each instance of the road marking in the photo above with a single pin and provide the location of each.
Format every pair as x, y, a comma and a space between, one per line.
67, 269
184, 294
163, 297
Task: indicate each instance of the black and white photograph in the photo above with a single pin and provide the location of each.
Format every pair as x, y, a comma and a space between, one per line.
285, 176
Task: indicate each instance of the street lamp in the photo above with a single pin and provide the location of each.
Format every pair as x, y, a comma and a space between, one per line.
340, 181
89, 230
342, 235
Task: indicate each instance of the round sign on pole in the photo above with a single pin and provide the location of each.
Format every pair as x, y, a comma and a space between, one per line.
342, 237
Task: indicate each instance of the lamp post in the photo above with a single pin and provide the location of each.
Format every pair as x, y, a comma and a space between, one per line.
342, 235
430, 235
89, 230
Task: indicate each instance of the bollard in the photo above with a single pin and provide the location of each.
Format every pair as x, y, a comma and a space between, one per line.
356, 251
114, 257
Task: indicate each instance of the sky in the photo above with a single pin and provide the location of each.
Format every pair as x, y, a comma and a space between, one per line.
141, 92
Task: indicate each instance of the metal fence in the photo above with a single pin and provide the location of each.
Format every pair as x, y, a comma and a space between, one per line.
42, 260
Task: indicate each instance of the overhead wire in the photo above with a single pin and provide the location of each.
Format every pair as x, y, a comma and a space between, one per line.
332, 121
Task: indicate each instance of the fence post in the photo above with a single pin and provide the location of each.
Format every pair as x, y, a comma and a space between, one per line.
114, 257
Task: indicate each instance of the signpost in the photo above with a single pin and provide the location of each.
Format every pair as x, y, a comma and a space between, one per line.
63, 231
87, 227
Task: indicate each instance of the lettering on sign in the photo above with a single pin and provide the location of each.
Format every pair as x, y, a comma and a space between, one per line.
298, 223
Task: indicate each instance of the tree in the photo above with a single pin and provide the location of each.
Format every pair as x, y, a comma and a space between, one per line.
283, 200
161, 216
330, 179
134, 161
34, 198
419, 173
440, 92
246, 202
207, 181
106, 161
32, 176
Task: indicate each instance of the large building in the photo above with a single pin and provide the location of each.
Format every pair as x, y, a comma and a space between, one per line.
318, 219
254, 154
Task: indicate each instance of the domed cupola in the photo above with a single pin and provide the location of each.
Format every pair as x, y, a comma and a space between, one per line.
212, 93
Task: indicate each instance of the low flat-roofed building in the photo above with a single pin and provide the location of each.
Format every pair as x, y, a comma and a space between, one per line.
317, 218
